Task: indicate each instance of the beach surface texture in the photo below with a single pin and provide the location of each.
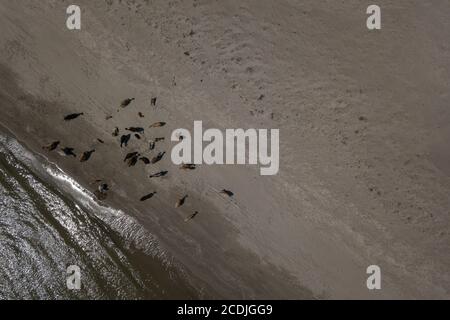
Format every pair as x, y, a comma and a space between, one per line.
364, 176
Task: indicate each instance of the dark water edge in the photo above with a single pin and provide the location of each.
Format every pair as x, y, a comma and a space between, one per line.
48, 222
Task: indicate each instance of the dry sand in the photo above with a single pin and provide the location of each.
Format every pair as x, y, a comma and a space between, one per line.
364, 129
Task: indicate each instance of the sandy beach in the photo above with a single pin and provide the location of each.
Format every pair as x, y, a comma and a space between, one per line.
364, 174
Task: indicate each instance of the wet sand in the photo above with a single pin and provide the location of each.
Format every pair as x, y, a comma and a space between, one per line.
49, 222
363, 121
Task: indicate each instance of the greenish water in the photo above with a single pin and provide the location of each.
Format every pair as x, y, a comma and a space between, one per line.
48, 222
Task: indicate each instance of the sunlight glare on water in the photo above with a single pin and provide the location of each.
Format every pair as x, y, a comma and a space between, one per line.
48, 222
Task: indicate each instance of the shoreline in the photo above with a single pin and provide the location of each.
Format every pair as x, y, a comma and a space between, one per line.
123, 235
162, 255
